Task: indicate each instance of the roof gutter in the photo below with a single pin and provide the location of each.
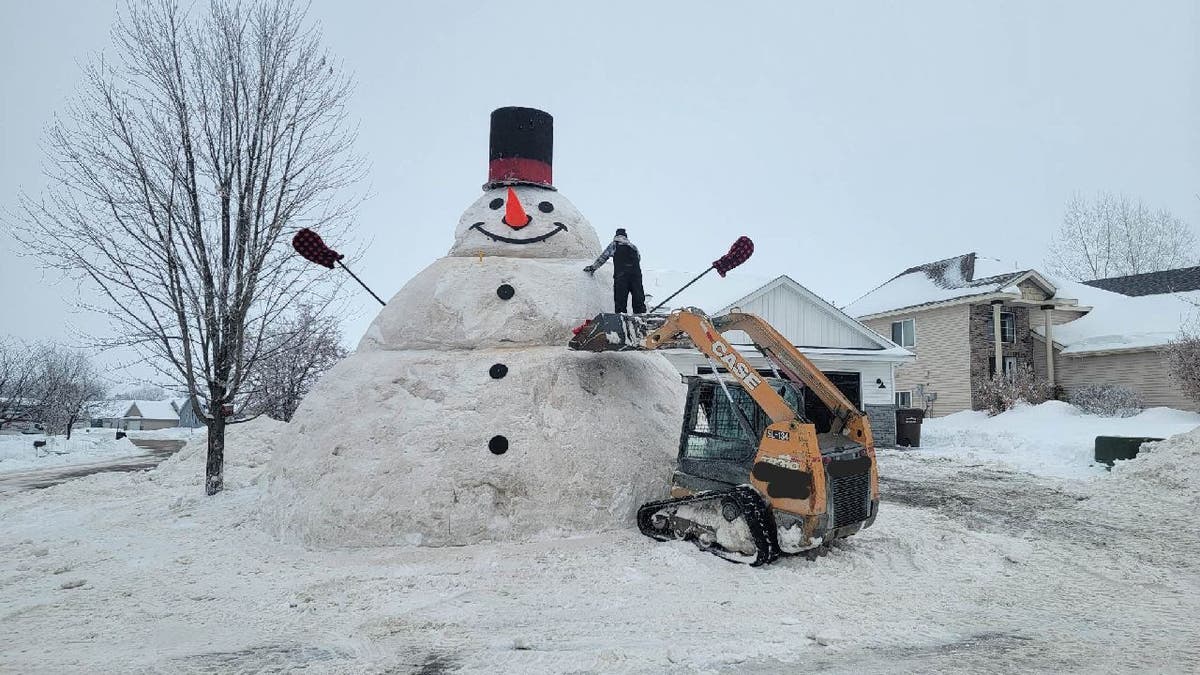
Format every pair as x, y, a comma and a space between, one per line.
1072, 305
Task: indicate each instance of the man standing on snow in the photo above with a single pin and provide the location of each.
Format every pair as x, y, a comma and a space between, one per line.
627, 273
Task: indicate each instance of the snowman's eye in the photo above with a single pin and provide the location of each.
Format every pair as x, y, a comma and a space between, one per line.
545, 207
496, 203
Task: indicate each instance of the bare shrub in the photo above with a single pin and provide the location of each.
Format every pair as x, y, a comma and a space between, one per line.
1183, 359
1001, 392
1109, 400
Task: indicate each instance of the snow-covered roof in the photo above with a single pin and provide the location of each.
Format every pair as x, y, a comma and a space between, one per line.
1152, 283
940, 281
110, 408
154, 410
1119, 322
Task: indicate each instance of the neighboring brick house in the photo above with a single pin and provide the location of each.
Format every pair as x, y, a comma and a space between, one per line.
965, 317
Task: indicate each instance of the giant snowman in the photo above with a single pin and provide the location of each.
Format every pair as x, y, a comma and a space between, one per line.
462, 417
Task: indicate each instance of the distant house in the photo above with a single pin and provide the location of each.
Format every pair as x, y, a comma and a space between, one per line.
134, 415
20, 410
188, 416
967, 317
109, 414
150, 415
859, 361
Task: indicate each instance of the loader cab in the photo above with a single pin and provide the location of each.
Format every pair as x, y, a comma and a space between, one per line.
715, 450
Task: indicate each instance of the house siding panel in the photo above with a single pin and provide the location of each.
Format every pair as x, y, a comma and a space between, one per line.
802, 323
1146, 373
943, 356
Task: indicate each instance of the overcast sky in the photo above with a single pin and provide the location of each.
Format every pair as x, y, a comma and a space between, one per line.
849, 140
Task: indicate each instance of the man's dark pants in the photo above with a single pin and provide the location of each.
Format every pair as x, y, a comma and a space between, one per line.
625, 285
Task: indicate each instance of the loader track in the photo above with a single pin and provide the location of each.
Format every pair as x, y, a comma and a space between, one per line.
750, 508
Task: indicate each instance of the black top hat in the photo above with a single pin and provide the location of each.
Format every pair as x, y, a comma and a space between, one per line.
521, 148
621, 232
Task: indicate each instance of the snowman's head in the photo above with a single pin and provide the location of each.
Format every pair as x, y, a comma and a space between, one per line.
524, 221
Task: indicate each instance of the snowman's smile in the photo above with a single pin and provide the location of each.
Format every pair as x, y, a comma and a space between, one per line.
558, 227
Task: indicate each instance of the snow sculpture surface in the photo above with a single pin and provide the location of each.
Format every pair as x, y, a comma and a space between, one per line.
462, 417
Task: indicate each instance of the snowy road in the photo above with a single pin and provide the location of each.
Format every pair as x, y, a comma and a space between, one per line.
968, 569
35, 479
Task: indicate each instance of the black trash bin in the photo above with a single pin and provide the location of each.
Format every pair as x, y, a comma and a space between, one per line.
908, 427
1111, 448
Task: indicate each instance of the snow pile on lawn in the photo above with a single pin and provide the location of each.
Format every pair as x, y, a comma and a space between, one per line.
1172, 465
1050, 439
248, 446
170, 433
85, 445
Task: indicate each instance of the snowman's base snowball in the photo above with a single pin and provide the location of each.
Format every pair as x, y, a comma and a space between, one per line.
400, 447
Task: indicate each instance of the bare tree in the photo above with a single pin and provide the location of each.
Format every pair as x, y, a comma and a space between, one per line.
146, 392
67, 388
298, 352
180, 173
1113, 236
17, 379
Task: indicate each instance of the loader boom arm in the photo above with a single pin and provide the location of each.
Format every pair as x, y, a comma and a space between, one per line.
707, 336
794, 364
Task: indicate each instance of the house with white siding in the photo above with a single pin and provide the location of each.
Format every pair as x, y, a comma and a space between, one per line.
134, 415
968, 317
861, 362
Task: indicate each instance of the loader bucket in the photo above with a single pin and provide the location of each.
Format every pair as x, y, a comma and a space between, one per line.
609, 332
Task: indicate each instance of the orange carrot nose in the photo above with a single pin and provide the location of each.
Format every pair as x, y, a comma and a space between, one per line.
514, 214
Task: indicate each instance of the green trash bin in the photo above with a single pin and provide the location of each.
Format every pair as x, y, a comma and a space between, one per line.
1111, 448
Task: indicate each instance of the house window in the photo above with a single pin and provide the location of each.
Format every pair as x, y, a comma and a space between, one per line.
904, 333
1008, 328
904, 399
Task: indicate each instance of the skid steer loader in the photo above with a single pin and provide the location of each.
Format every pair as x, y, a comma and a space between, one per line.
754, 480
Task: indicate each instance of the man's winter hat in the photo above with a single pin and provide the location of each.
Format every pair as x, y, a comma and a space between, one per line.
621, 232
521, 148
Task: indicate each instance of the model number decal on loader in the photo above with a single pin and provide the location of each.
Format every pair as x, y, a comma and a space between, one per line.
780, 461
749, 378
778, 435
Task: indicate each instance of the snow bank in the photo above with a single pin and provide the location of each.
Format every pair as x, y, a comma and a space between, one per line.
248, 446
1051, 439
401, 447
85, 445
454, 304
1172, 465
169, 433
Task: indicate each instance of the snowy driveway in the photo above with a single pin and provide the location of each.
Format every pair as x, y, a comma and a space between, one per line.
967, 568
